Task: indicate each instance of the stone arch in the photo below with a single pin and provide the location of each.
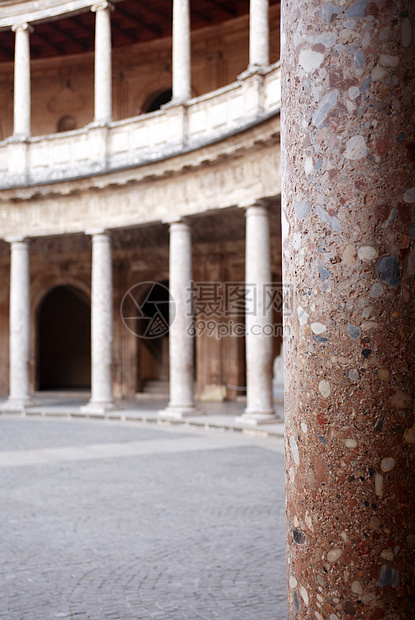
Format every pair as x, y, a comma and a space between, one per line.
157, 99
159, 93
67, 122
153, 362
63, 339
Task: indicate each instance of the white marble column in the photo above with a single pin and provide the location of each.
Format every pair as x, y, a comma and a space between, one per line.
181, 340
258, 319
102, 326
258, 34
103, 68
181, 51
19, 343
21, 114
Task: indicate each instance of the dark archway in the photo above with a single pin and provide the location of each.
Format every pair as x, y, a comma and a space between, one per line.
156, 100
66, 123
154, 352
64, 340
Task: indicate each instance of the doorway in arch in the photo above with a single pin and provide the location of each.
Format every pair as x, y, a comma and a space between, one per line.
156, 100
64, 340
153, 362
153, 350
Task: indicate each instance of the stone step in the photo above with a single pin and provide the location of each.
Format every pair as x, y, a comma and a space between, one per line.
156, 387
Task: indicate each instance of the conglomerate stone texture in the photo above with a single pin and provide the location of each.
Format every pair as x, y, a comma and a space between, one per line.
106, 520
348, 144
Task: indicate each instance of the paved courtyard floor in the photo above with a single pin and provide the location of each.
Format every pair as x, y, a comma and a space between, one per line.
127, 520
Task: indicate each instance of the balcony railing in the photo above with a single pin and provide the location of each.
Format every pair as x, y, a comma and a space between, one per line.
142, 139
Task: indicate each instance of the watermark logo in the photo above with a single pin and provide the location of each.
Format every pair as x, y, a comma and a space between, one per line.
218, 309
236, 299
147, 310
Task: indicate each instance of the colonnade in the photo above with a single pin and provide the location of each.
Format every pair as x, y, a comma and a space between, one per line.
182, 399
181, 60
259, 407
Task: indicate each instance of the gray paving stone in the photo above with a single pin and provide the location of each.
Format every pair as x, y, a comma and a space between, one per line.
190, 527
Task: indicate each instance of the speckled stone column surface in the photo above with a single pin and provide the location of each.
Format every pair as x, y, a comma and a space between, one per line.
19, 395
103, 70
102, 329
348, 144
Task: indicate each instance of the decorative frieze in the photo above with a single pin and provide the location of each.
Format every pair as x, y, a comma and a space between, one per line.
145, 198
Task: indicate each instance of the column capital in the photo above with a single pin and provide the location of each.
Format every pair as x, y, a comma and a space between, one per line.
259, 208
101, 6
96, 232
22, 27
170, 221
16, 240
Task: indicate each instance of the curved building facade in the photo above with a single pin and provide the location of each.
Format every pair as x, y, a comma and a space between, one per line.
142, 247
124, 125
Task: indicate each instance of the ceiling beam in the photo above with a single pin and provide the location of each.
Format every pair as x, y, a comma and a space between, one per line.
166, 16
224, 7
69, 37
54, 46
202, 16
138, 21
89, 31
124, 33
8, 53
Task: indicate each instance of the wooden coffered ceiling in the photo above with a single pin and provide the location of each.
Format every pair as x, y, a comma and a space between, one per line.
133, 21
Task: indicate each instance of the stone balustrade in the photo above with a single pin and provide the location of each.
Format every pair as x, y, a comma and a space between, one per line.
142, 139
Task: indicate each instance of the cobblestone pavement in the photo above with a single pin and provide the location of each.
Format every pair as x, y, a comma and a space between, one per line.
111, 520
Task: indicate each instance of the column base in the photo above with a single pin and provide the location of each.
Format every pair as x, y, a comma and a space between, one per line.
18, 137
173, 103
253, 70
173, 412
94, 408
254, 418
16, 405
99, 124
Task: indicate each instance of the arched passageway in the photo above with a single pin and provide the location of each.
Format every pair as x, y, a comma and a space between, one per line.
64, 340
156, 100
154, 351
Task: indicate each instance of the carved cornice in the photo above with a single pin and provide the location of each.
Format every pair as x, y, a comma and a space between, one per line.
34, 11
130, 199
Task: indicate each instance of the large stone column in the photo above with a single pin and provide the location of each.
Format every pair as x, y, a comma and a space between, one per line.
258, 34
19, 343
181, 51
21, 114
103, 68
348, 137
258, 319
181, 339
102, 327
